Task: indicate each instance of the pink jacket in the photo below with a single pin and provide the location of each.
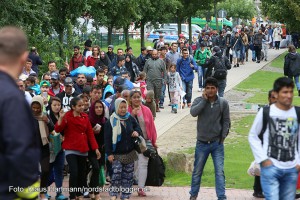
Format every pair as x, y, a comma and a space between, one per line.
149, 122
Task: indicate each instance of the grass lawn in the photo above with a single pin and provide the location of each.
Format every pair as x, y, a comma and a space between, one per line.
260, 83
134, 44
279, 61
238, 157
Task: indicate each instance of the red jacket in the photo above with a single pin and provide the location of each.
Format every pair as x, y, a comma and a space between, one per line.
75, 61
90, 61
51, 92
78, 132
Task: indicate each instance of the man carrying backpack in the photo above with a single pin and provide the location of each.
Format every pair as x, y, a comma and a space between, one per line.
217, 67
274, 140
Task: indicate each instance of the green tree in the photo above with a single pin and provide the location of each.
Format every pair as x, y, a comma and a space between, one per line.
243, 9
154, 11
283, 11
62, 13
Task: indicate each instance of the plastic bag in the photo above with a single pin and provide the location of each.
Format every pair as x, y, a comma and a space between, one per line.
88, 71
254, 169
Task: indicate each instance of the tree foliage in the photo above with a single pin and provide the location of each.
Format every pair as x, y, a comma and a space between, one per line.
243, 9
283, 11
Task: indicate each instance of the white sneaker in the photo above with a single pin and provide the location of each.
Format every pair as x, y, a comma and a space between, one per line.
200, 90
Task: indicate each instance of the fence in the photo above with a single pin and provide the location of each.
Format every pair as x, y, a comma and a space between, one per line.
101, 39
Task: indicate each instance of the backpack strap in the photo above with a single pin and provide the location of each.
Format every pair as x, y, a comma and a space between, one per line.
266, 116
297, 108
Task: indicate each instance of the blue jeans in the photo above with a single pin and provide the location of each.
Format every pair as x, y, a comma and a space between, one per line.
162, 97
201, 75
253, 55
56, 171
221, 87
278, 184
202, 152
296, 79
243, 50
187, 88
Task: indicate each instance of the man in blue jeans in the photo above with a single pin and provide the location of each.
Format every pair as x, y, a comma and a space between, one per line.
276, 146
185, 67
212, 128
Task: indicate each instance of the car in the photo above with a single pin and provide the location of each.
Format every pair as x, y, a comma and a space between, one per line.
170, 35
184, 27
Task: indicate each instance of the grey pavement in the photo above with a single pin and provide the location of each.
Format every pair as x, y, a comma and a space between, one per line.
165, 120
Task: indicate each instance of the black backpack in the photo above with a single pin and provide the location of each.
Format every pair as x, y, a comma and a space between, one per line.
156, 171
219, 71
266, 116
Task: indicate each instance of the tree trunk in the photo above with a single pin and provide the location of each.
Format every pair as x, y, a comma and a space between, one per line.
126, 36
142, 34
216, 15
109, 34
61, 42
190, 29
179, 24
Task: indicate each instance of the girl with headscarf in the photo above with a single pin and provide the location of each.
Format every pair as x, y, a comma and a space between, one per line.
44, 126
145, 119
78, 139
119, 146
132, 68
97, 119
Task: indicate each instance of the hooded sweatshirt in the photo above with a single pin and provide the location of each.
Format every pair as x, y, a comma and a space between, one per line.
292, 64
66, 99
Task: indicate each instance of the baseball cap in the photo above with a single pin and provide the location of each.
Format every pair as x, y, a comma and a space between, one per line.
54, 75
44, 83
149, 48
119, 81
68, 81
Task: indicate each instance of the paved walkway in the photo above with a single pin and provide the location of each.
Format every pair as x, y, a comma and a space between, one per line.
165, 120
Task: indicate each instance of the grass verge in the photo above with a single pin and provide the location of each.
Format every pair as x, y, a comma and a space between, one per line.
134, 44
238, 157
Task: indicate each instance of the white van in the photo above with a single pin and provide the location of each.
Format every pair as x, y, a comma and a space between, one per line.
184, 27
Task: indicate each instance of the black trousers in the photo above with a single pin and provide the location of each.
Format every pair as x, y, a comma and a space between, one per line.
257, 186
277, 44
257, 50
45, 168
94, 182
77, 165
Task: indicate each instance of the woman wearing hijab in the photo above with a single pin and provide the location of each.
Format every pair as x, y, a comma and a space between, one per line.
145, 119
103, 61
97, 119
119, 147
132, 68
43, 126
78, 139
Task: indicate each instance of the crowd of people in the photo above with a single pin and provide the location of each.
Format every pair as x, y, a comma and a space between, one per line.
88, 123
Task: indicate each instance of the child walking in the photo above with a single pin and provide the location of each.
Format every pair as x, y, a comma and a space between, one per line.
175, 85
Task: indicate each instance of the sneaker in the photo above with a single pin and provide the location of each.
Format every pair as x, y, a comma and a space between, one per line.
297, 196
175, 110
141, 192
86, 195
258, 195
161, 106
266, 60
257, 61
193, 198
238, 65
234, 65
61, 197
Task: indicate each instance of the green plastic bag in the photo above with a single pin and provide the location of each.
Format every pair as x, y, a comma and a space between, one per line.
102, 177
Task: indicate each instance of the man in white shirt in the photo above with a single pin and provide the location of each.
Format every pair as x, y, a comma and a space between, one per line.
278, 151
